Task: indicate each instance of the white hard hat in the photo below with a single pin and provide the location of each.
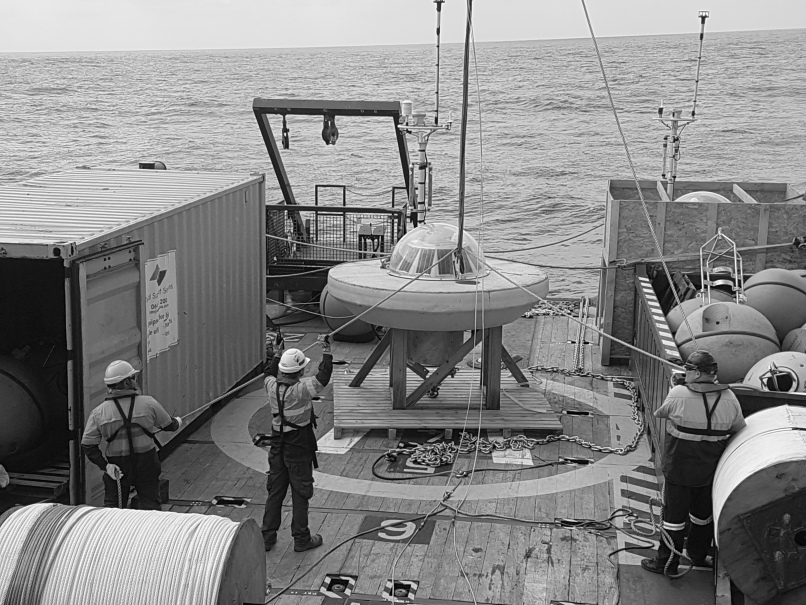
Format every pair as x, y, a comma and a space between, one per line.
118, 371
293, 360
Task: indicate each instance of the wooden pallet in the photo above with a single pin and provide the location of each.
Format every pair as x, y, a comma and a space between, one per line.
370, 406
51, 481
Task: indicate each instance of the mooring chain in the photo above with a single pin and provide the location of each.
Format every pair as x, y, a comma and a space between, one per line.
445, 452
635, 410
554, 308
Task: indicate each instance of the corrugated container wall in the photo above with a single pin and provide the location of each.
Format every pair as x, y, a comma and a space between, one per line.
221, 269
209, 226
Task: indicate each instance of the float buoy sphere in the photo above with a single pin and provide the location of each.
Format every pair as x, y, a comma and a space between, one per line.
81, 555
736, 335
758, 506
780, 295
687, 307
701, 197
336, 315
24, 406
783, 372
795, 341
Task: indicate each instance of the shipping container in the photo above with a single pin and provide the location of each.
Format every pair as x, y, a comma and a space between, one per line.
162, 268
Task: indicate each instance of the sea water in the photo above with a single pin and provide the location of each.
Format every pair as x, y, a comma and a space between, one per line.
542, 138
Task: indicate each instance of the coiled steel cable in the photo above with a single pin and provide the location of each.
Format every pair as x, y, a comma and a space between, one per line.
56, 554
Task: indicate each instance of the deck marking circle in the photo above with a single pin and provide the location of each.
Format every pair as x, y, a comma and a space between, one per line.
230, 432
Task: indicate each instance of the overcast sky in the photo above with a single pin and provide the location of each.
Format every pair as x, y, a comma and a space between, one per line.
92, 25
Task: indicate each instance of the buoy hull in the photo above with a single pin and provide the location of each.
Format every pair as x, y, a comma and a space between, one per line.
736, 335
783, 372
438, 305
795, 340
25, 405
675, 317
336, 314
780, 295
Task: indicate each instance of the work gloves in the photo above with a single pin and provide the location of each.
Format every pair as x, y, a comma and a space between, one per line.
324, 340
113, 470
275, 346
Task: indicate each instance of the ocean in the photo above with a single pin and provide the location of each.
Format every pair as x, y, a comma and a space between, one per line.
542, 140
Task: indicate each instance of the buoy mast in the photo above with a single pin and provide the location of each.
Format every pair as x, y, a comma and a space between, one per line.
416, 123
676, 123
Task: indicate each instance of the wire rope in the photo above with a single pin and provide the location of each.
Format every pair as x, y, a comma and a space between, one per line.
60, 554
550, 244
658, 247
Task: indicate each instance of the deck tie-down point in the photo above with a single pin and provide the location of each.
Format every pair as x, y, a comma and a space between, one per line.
338, 585
400, 589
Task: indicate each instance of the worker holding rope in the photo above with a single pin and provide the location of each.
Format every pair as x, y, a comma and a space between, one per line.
292, 456
127, 420
702, 415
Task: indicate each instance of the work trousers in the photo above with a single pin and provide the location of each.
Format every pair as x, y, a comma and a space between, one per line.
290, 463
140, 470
692, 505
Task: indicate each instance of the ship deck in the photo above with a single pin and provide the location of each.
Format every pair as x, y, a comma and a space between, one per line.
500, 542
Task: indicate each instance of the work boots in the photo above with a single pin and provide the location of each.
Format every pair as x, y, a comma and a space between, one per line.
656, 565
314, 541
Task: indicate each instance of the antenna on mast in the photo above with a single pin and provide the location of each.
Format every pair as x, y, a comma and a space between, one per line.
703, 16
671, 142
417, 123
439, 4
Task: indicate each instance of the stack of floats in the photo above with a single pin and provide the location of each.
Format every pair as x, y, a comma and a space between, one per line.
60, 555
759, 499
427, 310
746, 339
755, 216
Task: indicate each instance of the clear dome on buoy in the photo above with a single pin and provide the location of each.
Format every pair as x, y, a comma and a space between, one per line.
703, 196
429, 249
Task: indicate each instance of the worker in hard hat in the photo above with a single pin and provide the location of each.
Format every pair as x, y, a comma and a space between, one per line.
292, 456
702, 415
128, 421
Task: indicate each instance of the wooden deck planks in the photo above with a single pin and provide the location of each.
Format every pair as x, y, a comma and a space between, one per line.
370, 407
328, 528
477, 546
512, 580
539, 564
450, 572
335, 562
506, 562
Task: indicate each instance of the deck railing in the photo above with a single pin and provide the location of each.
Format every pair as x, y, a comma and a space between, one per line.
653, 377
302, 239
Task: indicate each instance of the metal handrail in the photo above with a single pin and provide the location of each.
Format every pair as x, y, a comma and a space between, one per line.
653, 377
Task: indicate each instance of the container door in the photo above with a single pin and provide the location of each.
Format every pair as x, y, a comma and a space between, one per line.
108, 307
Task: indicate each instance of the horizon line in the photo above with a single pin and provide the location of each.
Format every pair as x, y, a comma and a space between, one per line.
343, 46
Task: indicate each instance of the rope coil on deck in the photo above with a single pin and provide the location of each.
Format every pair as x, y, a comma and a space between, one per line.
54, 554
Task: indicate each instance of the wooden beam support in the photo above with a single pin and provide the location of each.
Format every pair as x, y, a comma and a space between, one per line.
512, 365
398, 368
713, 213
664, 197
373, 358
491, 367
442, 372
763, 229
743, 195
